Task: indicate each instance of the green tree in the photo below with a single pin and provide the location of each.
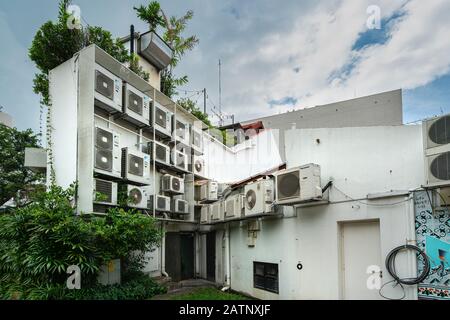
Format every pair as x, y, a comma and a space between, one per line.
55, 43
174, 28
190, 106
13, 174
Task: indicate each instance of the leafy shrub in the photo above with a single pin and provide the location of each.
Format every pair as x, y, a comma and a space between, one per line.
39, 242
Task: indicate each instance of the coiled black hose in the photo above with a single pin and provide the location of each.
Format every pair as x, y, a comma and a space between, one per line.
390, 266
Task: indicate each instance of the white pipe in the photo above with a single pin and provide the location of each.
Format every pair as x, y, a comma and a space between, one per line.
227, 257
163, 253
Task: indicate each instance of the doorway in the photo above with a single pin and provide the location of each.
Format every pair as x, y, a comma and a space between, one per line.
360, 248
180, 256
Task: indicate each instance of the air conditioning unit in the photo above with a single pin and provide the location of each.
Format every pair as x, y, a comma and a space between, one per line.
135, 166
108, 90
204, 215
162, 152
172, 184
105, 192
162, 203
181, 132
180, 206
259, 197
437, 151
197, 167
138, 197
234, 206
180, 160
136, 106
107, 155
217, 211
161, 120
197, 140
298, 185
207, 192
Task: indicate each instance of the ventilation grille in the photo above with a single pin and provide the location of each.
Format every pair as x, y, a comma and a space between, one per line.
175, 184
198, 166
104, 85
181, 130
160, 118
135, 165
439, 132
103, 139
135, 196
250, 199
440, 167
103, 159
104, 188
288, 185
135, 103
161, 203
230, 208
181, 206
161, 153
180, 160
196, 139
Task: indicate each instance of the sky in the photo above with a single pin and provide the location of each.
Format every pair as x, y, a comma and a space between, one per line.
276, 56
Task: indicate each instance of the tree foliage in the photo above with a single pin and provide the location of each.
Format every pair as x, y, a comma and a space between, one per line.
190, 106
151, 15
55, 43
39, 242
13, 174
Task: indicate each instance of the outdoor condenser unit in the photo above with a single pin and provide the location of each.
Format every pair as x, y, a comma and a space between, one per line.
197, 140
180, 206
138, 197
204, 215
217, 211
162, 203
234, 206
259, 197
162, 152
207, 191
154, 49
136, 166
136, 106
437, 151
181, 132
105, 192
198, 166
172, 184
180, 160
107, 155
161, 120
298, 185
108, 90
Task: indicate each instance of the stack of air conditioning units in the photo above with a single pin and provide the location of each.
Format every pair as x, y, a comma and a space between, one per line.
207, 192
174, 186
436, 134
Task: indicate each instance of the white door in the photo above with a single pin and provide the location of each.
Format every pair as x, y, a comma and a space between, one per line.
360, 248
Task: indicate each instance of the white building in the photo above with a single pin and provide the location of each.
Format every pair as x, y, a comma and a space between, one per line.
320, 249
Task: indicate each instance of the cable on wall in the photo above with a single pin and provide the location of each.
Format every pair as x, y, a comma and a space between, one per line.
390, 266
373, 204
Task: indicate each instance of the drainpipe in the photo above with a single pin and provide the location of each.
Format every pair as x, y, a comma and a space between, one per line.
163, 252
132, 40
227, 259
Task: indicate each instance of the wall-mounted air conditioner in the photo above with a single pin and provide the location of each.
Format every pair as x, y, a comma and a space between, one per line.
172, 184
180, 206
197, 167
234, 207
162, 203
107, 153
162, 152
161, 120
197, 140
217, 211
436, 134
207, 192
181, 132
180, 160
105, 192
298, 185
136, 106
108, 90
204, 215
136, 166
138, 197
154, 49
259, 197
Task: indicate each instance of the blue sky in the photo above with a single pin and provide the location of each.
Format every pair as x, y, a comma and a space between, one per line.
275, 58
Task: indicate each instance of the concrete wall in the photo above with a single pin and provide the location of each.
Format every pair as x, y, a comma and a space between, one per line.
383, 109
360, 161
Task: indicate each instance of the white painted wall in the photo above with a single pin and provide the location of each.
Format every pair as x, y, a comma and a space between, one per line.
361, 161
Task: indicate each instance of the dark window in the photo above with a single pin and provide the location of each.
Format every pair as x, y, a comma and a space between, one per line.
265, 276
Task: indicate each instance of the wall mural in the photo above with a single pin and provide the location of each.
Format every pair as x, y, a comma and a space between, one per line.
433, 236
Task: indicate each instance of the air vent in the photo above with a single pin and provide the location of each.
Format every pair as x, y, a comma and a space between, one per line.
104, 160
288, 185
105, 189
161, 203
135, 196
440, 166
176, 185
161, 153
250, 199
439, 131
181, 130
161, 118
136, 165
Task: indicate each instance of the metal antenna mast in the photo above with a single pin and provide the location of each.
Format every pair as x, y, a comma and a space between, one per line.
220, 92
